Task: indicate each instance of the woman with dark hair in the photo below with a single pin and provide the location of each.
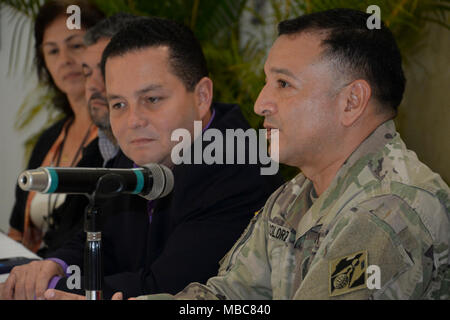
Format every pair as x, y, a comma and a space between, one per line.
41, 221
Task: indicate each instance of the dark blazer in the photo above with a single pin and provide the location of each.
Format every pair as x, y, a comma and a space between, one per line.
69, 216
191, 229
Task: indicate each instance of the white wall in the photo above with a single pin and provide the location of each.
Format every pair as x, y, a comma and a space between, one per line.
13, 90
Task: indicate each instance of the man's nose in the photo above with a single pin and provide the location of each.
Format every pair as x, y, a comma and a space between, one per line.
98, 81
136, 118
265, 103
95, 83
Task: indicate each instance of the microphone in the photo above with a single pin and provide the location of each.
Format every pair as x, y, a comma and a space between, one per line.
151, 181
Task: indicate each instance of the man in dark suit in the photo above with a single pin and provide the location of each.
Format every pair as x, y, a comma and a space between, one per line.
157, 82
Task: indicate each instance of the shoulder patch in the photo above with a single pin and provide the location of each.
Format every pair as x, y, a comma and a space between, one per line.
347, 274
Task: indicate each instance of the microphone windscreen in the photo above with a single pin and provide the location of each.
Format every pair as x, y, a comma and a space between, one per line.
163, 181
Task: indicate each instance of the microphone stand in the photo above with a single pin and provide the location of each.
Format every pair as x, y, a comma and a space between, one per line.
109, 185
93, 259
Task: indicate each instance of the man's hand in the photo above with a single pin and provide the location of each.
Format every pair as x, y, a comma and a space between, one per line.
118, 296
29, 281
2, 285
53, 294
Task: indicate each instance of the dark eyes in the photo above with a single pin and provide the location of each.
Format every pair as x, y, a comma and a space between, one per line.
150, 100
282, 84
153, 99
53, 51
118, 105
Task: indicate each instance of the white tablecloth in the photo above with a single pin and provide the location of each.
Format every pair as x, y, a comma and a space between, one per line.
10, 248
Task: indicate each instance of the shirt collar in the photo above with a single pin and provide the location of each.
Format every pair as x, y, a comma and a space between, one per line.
108, 150
210, 120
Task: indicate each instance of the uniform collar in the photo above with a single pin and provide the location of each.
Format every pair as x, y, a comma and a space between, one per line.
347, 180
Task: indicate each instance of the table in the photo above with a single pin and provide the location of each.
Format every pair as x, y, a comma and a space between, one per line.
10, 248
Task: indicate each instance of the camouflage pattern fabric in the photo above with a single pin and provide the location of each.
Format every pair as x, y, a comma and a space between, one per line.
383, 208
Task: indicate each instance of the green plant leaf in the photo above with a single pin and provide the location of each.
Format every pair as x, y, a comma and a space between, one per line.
235, 52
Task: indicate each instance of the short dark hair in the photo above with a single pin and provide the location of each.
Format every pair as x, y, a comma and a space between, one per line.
356, 50
48, 13
108, 27
186, 57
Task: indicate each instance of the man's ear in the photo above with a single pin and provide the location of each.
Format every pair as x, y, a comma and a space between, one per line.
203, 96
355, 98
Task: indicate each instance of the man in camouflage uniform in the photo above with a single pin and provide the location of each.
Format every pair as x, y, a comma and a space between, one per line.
382, 202
365, 219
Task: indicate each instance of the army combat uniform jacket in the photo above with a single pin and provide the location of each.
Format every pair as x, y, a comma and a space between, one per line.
381, 230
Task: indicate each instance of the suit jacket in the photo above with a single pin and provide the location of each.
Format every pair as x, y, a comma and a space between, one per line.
191, 229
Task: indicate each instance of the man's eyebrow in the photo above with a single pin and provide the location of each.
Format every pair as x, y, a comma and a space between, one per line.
151, 87
113, 96
285, 72
138, 92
